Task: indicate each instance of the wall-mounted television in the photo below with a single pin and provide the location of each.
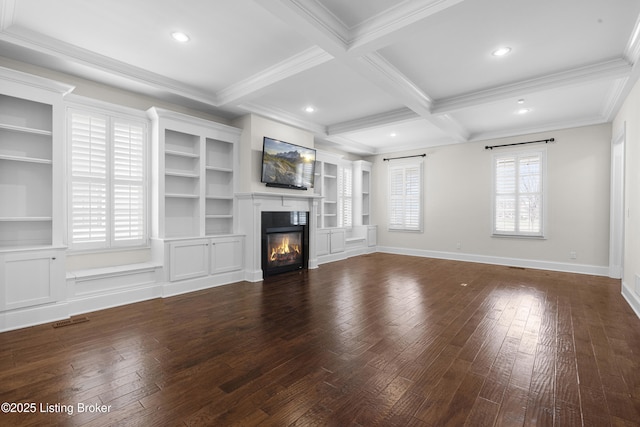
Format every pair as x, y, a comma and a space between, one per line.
287, 165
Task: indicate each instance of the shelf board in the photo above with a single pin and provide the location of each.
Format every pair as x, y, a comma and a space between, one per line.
25, 159
218, 169
181, 174
23, 129
181, 196
218, 216
181, 154
219, 197
25, 218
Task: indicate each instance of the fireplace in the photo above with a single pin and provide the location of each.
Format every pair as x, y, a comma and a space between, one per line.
285, 242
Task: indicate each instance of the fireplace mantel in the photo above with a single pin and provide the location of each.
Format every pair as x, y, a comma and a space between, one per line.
250, 207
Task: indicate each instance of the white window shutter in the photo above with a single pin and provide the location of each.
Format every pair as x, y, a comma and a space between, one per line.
345, 196
518, 194
88, 214
128, 182
107, 190
405, 196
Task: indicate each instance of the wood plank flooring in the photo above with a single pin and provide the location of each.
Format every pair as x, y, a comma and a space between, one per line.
379, 339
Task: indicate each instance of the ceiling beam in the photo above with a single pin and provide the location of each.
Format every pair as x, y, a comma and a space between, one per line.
393, 24
254, 85
616, 68
373, 121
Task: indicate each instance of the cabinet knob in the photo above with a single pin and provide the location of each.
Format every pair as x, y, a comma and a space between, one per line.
53, 258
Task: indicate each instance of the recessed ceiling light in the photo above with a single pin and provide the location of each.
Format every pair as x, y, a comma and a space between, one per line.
309, 109
392, 134
501, 51
521, 101
180, 36
524, 110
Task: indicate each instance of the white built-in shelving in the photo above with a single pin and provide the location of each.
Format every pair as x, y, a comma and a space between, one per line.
31, 204
195, 161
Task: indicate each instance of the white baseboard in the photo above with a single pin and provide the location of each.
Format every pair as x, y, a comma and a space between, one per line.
31, 316
511, 262
632, 298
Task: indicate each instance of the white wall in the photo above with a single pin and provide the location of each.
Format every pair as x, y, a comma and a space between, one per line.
457, 202
629, 117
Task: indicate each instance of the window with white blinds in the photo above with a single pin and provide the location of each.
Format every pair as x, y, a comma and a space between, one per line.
519, 194
405, 195
345, 197
107, 197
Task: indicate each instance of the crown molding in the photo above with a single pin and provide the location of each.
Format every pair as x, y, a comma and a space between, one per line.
298, 63
37, 82
632, 50
615, 97
376, 120
614, 68
82, 57
7, 10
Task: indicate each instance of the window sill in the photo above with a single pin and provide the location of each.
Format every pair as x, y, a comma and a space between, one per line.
518, 236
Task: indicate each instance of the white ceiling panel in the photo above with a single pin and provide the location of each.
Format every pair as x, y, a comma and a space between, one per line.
336, 92
230, 40
451, 54
548, 109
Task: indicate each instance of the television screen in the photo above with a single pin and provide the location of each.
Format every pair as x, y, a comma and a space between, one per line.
287, 165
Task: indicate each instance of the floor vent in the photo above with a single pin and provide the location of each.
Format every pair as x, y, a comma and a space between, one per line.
69, 322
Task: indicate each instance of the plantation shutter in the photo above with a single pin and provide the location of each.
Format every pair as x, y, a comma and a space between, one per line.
88, 204
518, 198
405, 196
128, 183
345, 198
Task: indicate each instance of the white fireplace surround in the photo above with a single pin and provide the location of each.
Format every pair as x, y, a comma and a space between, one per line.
250, 207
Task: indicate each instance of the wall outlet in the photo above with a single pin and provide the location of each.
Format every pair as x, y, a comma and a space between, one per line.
458, 245
573, 255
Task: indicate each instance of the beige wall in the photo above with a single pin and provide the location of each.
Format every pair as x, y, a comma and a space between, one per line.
629, 118
254, 128
457, 203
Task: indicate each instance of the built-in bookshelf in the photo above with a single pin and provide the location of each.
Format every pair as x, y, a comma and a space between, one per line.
32, 254
196, 161
26, 173
219, 186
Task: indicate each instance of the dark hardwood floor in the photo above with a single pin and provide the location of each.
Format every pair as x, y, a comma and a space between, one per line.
375, 340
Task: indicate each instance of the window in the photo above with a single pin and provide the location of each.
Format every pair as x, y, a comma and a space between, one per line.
107, 181
345, 197
519, 194
405, 195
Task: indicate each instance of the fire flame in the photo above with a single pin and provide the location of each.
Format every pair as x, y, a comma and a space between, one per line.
283, 249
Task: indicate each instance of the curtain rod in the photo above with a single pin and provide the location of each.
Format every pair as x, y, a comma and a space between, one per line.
404, 157
491, 147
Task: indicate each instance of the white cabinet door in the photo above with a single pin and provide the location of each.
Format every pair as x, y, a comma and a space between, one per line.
30, 278
188, 259
372, 232
323, 242
226, 254
338, 240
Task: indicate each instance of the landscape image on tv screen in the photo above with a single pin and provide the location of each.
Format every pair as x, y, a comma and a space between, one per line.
287, 165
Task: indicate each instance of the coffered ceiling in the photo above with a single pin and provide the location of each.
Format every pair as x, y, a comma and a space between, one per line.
381, 75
